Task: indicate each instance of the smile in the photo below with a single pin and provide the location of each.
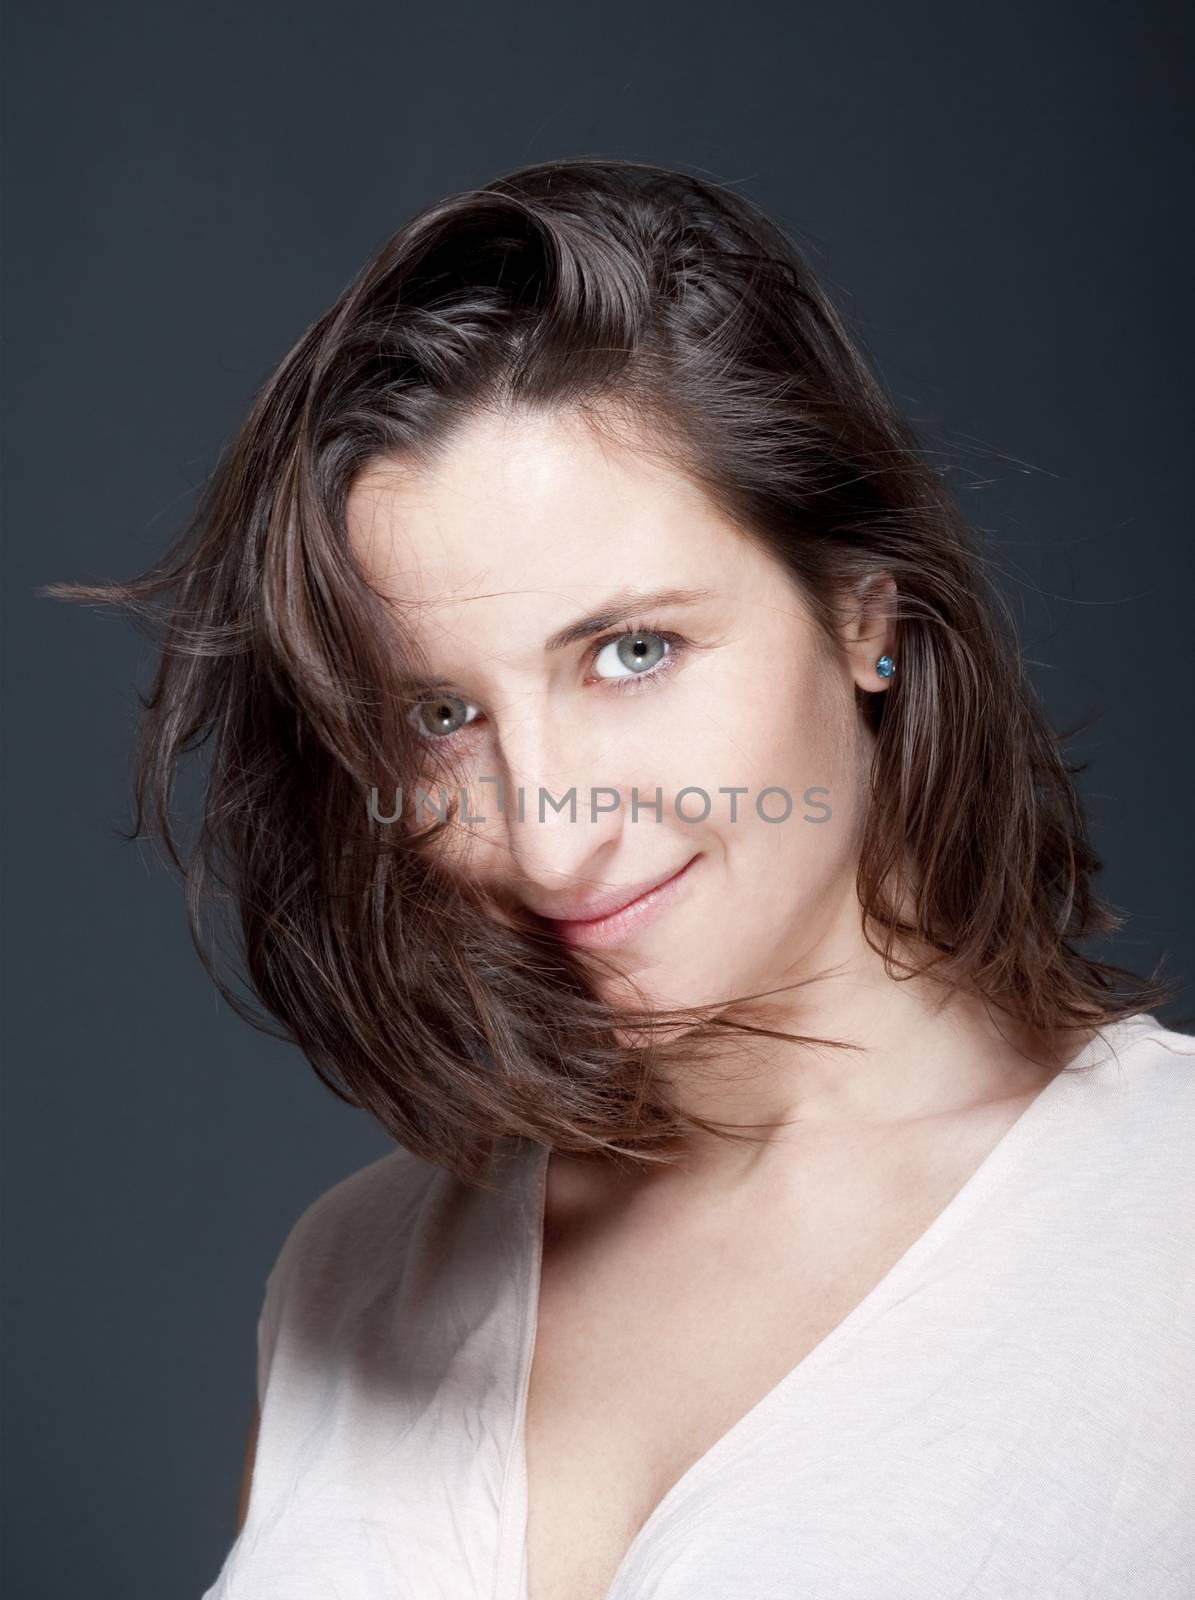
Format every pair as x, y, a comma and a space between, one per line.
617, 927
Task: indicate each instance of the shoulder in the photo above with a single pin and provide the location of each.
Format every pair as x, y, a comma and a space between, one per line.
1131, 1107
355, 1222
1151, 1066
339, 1253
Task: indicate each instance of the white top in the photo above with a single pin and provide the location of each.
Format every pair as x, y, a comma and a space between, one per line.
1008, 1415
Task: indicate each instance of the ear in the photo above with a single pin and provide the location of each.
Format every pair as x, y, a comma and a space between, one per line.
867, 629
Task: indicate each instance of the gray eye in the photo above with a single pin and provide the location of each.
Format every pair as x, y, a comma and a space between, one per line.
444, 715
633, 653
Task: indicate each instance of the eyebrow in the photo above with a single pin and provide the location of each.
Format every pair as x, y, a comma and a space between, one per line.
618, 607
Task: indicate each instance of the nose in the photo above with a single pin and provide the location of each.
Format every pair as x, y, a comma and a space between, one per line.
564, 806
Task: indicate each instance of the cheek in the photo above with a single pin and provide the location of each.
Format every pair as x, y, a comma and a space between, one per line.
790, 729
807, 748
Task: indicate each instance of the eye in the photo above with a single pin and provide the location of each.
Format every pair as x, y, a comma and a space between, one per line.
446, 714
631, 655
626, 661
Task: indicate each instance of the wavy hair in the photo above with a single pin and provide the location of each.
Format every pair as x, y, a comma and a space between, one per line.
634, 295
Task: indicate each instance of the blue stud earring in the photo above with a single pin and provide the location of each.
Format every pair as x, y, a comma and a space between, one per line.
885, 666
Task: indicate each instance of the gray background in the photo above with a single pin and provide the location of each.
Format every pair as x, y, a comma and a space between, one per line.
993, 196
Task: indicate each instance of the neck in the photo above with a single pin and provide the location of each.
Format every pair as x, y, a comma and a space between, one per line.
917, 1053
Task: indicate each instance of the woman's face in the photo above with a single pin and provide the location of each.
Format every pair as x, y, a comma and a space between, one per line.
724, 689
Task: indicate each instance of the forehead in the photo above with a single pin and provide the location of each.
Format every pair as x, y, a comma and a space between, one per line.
537, 507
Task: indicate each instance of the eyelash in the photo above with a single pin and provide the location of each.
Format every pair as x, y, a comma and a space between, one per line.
631, 683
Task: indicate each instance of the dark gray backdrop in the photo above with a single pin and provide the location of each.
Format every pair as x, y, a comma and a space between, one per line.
994, 194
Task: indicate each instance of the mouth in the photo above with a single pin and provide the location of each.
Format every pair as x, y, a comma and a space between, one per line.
617, 927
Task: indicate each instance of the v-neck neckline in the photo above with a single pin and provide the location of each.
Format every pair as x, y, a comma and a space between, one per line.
1016, 1142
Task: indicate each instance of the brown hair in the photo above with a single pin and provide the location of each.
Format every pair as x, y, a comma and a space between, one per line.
618, 290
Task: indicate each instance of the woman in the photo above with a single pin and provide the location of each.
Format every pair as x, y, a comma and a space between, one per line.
632, 796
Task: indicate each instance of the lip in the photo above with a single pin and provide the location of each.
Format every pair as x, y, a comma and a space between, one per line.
620, 923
